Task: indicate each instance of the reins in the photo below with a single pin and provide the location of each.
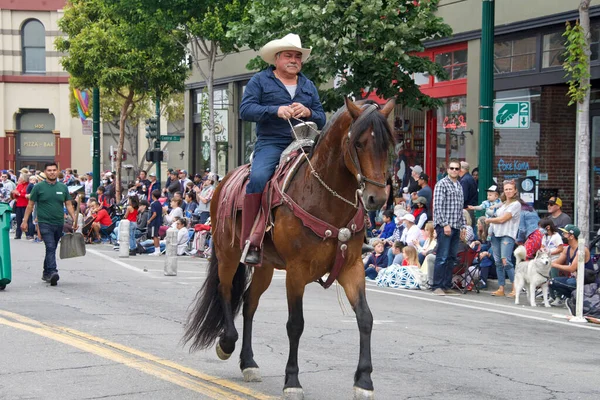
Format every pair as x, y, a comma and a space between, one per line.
361, 179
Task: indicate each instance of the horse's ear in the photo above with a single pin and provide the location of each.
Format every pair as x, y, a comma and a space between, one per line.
352, 108
389, 106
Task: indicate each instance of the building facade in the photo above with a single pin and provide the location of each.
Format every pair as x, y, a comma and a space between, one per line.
36, 125
527, 70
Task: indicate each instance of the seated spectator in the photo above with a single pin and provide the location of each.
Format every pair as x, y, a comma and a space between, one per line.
552, 242
563, 286
491, 204
429, 244
394, 253
387, 228
411, 232
466, 233
485, 257
376, 261
529, 233
190, 204
102, 220
169, 219
420, 211
410, 256
182, 239
559, 218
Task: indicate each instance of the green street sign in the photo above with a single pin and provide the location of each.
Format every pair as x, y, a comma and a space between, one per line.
511, 114
170, 138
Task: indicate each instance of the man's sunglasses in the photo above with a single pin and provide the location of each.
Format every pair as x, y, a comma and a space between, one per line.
454, 168
551, 203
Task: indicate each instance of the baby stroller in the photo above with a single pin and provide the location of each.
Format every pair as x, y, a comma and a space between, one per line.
462, 275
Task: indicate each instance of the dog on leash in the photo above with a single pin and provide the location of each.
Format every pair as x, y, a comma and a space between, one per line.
535, 273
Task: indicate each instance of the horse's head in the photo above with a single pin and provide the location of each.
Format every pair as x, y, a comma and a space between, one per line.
366, 150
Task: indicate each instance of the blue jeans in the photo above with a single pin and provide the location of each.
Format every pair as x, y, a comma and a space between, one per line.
563, 286
51, 234
266, 159
445, 258
502, 248
132, 242
204, 216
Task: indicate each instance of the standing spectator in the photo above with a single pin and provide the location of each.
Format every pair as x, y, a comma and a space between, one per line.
183, 180
31, 231
559, 218
475, 175
89, 185
204, 197
469, 186
173, 186
142, 184
20, 196
154, 184
7, 183
168, 181
412, 185
425, 191
389, 188
155, 221
50, 197
448, 220
503, 230
198, 180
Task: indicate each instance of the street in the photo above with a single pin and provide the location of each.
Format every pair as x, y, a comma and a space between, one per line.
111, 330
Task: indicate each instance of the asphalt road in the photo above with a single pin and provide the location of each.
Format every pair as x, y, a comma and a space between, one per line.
109, 330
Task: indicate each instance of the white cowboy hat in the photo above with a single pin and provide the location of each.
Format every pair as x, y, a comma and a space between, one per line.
291, 41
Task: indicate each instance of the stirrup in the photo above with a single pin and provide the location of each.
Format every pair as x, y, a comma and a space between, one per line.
245, 254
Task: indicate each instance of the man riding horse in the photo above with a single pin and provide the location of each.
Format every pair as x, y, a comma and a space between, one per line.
271, 98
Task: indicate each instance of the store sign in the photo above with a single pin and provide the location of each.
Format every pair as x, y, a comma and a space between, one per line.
36, 145
36, 121
512, 114
454, 122
221, 131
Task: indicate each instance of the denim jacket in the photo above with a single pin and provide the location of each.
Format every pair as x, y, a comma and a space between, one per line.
264, 95
527, 224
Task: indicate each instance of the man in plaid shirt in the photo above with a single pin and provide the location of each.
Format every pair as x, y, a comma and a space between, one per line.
448, 202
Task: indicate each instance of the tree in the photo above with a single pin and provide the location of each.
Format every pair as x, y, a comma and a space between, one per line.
129, 54
204, 26
577, 66
364, 44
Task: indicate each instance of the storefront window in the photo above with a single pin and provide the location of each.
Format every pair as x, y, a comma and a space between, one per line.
248, 132
553, 51
455, 64
516, 151
451, 127
515, 55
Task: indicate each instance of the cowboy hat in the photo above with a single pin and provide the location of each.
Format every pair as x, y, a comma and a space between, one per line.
291, 41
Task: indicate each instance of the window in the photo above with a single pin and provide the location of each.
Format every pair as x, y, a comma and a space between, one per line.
455, 64
33, 39
515, 55
553, 50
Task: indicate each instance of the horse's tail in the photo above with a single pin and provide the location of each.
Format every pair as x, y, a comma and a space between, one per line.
206, 320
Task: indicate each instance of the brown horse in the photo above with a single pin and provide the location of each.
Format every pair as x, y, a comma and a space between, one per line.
350, 165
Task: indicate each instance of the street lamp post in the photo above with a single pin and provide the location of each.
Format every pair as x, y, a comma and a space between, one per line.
486, 92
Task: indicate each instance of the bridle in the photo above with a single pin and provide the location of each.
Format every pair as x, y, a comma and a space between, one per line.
354, 156
361, 179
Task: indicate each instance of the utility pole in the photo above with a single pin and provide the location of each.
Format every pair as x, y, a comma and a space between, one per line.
486, 94
157, 141
95, 138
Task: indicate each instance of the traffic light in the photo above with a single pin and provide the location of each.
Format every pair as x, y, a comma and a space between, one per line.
154, 155
151, 128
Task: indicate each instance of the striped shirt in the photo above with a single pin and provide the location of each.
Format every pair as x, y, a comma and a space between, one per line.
448, 204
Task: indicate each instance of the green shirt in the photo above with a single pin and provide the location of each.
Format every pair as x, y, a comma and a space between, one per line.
50, 201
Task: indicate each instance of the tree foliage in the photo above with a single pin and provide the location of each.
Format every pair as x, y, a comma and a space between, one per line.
577, 62
365, 44
125, 52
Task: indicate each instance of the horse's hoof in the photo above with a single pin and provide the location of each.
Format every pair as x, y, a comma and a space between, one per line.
363, 394
252, 375
293, 394
221, 354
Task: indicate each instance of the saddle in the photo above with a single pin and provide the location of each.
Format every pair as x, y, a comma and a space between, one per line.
232, 194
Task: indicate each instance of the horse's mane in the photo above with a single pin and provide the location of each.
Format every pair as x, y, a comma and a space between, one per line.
377, 121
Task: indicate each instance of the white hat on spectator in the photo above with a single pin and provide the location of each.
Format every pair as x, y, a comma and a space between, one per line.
409, 218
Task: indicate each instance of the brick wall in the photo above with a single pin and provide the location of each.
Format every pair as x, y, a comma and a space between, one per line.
551, 152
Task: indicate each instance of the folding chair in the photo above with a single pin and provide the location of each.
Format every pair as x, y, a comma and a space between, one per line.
461, 274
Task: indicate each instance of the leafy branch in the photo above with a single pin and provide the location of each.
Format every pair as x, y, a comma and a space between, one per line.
576, 65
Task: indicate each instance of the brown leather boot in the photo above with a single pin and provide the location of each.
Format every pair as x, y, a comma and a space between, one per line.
499, 292
250, 210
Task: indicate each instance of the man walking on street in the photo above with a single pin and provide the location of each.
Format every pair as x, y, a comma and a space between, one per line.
50, 196
448, 202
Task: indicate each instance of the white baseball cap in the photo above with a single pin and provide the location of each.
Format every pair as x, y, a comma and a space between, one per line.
409, 218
